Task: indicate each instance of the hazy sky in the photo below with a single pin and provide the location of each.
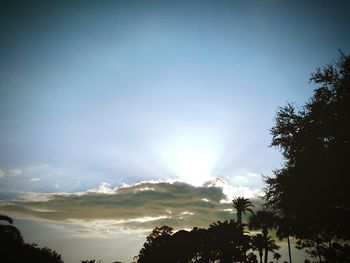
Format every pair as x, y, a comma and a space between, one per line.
123, 91
99, 94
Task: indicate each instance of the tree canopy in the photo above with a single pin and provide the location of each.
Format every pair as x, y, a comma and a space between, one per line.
311, 188
14, 249
222, 242
242, 205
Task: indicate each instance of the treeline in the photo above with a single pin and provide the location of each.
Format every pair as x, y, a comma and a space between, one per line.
13, 249
224, 242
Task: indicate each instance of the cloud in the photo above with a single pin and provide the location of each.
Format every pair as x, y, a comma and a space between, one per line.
104, 188
47, 179
234, 190
15, 172
33, 197
140, 206
34, 179
2, 174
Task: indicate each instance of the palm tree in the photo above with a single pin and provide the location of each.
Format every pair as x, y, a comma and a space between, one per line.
284, 230
9, 232
6, 218
276, 256
264, 220
242, 205
228, 241
259, 243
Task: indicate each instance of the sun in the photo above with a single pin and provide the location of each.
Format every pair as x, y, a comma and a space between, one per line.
193, 166
191, 158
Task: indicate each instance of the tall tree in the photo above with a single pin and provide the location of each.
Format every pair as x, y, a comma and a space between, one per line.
284, 230
228, 242
242, 205
259, 243
312, 186
264, 220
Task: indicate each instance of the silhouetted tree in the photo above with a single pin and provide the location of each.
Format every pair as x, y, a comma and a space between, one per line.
9, 233
251, 258
228, 241
264, 220
14, 250
312, 186
318, 246
276, 256
156, 248
258, 244
32, 253
223, 242
242, 205
285, 230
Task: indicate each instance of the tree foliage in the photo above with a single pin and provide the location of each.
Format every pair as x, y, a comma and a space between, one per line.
224, 242
242, 205
264, 220
9, 233
14, 250
311, 189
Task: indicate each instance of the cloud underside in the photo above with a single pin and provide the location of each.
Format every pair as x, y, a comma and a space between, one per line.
142, 206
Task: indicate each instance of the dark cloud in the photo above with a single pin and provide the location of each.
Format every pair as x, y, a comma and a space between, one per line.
141, 206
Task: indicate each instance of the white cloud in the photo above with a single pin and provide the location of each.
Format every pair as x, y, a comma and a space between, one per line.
245, 177
34, 179
227, 210
186, 213
142, 189
34, 197
230, 190
147, 219
15, 172
103, 188
236, 191
41, 210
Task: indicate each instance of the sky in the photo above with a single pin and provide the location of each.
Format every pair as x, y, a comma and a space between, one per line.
99, 99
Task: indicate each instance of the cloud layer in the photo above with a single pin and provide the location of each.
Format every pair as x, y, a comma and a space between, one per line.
138, 207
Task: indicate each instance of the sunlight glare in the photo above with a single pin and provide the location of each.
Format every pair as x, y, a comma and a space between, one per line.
191, 158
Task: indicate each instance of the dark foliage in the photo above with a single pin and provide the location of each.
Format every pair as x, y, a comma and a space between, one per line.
311, 189
264, 220
14, 250
242, 205
221, 242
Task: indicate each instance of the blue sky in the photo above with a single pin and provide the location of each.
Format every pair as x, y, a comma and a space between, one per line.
123, 91
109, 97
